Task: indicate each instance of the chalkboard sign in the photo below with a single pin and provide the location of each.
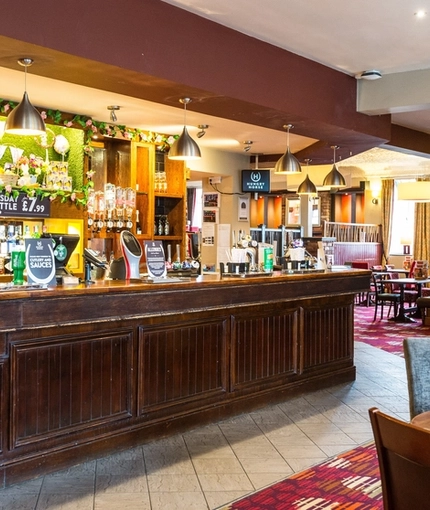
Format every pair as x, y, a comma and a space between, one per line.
24, 206
40, 261
155, 259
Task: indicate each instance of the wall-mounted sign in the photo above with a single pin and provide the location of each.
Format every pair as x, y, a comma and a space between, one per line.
155, 259
40, 261
24, 206
256, 181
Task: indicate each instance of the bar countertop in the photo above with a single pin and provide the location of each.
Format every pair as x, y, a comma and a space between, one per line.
145, 284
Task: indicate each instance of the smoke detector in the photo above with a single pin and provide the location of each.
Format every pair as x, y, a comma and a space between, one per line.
372, 74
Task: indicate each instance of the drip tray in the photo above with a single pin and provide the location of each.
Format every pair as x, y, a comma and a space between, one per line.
302, 271
10, 287
246, 275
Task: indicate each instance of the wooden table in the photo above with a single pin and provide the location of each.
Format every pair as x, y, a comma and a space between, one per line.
402, 315
422, 420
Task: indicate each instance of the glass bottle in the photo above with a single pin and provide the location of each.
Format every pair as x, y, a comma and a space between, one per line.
166, 226
160, 226
138, 225
11, 239
3, 241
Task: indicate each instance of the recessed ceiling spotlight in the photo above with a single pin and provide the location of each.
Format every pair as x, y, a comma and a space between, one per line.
420, 14
371, 74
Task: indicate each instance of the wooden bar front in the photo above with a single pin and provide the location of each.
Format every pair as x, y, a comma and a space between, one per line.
88, 370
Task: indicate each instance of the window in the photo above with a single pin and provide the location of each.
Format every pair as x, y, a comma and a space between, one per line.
402, 232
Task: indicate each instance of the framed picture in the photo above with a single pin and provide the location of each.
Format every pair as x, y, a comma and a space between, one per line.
211, 200
210, 215
243, 209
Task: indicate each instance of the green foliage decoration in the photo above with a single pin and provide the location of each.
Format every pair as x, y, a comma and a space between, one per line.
80, 134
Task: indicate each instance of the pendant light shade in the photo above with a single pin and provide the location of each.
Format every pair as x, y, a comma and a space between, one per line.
25, 119
334, 179
288, 164
307, 187
184, 147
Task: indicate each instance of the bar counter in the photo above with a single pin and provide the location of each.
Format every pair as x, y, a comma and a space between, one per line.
91, 369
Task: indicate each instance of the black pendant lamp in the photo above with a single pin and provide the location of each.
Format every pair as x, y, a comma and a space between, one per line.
184, 147
334, 179
25, 119
307, 187
288, 164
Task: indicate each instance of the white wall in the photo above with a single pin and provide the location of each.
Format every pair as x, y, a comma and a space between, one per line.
228, 166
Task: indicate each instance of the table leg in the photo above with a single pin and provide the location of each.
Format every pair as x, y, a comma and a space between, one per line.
401, 315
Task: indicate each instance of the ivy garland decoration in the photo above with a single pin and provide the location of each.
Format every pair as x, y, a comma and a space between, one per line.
91, 128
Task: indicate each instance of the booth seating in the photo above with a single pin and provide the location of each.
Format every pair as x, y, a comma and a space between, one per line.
417, 363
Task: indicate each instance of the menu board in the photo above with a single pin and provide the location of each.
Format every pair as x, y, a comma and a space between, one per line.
40, 261
155, 259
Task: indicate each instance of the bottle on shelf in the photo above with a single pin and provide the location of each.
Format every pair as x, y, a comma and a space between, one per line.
3, 240
166, 226
18, 235
11, 238
138, 225
36, 233
160, 226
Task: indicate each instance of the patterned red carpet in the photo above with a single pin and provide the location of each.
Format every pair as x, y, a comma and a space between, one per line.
349, 481
385, 334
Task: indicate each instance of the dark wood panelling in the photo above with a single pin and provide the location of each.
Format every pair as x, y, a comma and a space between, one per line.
327, 336
62, 385
264, 346
2, 404
348, 252
113, 365
182, 363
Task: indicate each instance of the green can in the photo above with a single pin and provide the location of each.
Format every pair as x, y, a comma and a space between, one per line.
268, 259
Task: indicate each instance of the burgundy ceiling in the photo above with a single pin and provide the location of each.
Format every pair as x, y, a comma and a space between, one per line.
154, 51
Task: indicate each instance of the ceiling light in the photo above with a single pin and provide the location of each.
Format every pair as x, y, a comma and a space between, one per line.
288, 164
371, 74
25, 119
184, 147
334, 179
202, 131
420, 14
307, 187
247, 144
113, 108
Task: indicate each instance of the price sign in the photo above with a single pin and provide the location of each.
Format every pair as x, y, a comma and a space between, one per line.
155, 261
24, 206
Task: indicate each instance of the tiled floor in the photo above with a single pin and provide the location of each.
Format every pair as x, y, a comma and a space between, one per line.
213, 465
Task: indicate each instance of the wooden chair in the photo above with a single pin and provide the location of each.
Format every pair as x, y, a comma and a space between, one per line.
417, 361
404, 462
384, 295
363, 298
410, 292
